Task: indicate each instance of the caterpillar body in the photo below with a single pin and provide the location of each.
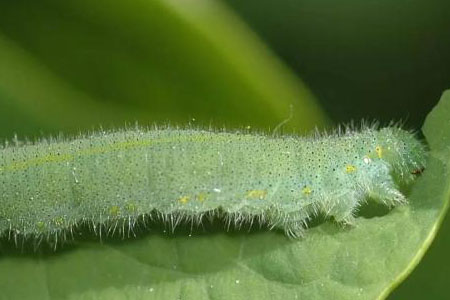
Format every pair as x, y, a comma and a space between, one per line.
112, 179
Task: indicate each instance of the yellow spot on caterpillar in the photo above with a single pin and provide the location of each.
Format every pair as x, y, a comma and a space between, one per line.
184, 199
306, 190
201, 197
350, 168
40, 225
258, 194
114, 211
379, 151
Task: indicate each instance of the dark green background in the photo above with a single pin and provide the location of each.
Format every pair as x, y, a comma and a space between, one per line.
376, 59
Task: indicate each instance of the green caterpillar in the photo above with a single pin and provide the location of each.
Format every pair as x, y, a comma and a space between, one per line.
113, 179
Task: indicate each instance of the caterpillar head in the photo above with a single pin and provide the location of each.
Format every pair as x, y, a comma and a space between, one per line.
403, 151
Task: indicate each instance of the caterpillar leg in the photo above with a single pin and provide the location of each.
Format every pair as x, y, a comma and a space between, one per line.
343, 207
387, 193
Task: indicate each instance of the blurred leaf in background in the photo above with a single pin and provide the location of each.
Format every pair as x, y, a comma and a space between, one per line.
378, 59
71, 65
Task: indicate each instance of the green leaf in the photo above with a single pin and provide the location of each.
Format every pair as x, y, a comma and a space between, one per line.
76, 64
365, 261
